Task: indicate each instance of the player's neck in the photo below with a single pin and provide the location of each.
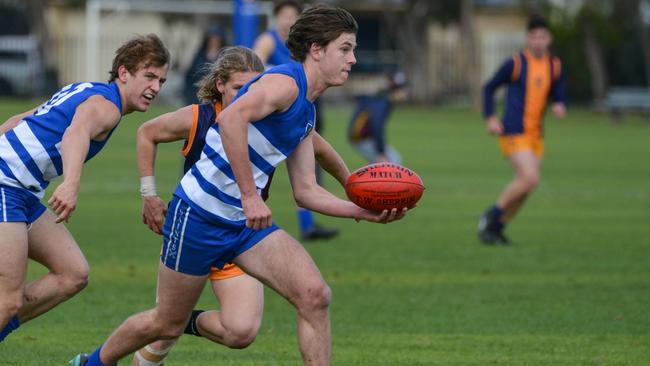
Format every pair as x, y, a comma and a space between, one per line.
122, 88
538, 54
315, 83
284, 35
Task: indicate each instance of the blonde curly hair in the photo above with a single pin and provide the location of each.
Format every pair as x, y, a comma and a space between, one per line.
231, 60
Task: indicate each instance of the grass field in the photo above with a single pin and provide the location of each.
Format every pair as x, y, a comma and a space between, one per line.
573, 290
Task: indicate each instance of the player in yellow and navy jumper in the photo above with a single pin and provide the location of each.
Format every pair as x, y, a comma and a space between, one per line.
531, 76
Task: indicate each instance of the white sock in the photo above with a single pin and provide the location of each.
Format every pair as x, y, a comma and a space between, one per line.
160, 353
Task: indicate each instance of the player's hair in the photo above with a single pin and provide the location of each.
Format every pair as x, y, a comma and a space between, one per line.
140, 52
321, 25
279, 5
230, 60
537, 22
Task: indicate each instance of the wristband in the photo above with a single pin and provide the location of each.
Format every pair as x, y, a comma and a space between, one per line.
148, 186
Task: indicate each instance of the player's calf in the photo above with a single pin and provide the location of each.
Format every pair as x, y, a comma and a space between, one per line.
10, 303
528, 181
233, 333
164, 329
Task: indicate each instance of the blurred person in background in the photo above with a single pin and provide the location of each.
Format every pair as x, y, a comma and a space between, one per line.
531, 76
271, 48
213, 41
367, 127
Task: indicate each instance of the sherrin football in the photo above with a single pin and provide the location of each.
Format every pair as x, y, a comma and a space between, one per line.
384, 186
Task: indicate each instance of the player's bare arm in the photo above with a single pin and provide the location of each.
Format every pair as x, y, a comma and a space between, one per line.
308, 194
264, 47
272, 93
329, 159
168, 127
13, 121
93, 120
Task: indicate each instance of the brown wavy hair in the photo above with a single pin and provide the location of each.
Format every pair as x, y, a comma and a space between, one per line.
321, 25
231, 60
140, 52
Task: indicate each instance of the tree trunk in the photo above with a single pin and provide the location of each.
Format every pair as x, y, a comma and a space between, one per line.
411, 32
644, 30
596, 64
470, 51
643, 20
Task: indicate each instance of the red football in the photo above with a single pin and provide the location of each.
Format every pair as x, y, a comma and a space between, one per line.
384, 186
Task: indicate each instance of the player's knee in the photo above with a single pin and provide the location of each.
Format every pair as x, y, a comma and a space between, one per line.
531, 180
171, 332
316, 298
72, 283
169, 328
240, 340
162, 330
151, 323
242, 336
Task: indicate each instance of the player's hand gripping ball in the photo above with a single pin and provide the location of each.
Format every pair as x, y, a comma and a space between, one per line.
384, 186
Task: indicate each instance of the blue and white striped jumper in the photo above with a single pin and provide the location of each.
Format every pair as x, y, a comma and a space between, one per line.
209, 187
30, 153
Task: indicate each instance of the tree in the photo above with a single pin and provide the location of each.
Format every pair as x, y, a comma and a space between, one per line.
644, 35
589, 18
410, 28
470, 51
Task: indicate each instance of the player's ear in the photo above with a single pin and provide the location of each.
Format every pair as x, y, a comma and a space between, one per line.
221, 87
316, 51
121, 73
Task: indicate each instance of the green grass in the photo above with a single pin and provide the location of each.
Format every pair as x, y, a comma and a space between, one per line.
574, 290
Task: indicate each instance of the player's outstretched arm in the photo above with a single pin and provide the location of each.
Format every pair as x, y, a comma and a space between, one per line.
308, 194
329, 159
273, 92
93, 120
168, 127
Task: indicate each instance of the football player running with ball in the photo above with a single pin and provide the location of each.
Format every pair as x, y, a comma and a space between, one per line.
52, 140
217, 214
240, 295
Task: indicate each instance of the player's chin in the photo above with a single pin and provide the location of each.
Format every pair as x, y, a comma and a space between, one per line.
342, 79
144, 104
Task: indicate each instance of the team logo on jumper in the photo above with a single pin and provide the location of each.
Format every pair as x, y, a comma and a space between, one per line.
308, 128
